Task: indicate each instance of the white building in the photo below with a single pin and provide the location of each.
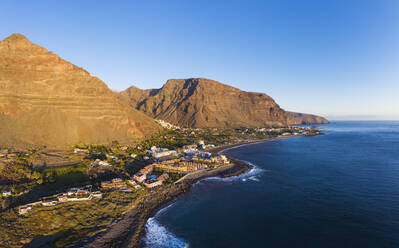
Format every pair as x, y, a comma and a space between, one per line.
7, 193
79, 150
201, 144
167, 125
97, 194
224, 159
140, 177
72, 191
190, 152
103, 163
24, 209
49, 202
164, 154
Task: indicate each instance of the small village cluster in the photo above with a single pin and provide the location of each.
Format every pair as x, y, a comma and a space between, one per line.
167, 125
73, 194
163, 161
188, 160
6, 156
294, 130
119, 184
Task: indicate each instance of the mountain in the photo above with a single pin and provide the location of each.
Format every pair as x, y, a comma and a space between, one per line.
200, 102
45, 100
305, 119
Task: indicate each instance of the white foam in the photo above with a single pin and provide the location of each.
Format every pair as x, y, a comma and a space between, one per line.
253, 178
164, 209
254, 171
158, 237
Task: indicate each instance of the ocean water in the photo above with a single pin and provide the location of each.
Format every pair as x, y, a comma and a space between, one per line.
336, 190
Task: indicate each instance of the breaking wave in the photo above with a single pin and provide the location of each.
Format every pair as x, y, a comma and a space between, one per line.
157, 236
164, 209
250, 174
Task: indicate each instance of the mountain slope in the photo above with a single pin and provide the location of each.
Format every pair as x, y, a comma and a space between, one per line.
45, 100
305, 119
199, 102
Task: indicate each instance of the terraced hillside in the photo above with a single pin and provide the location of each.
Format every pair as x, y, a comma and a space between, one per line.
45, 100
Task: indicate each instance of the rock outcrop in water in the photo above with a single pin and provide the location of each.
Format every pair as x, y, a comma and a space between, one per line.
199, 102
45, 100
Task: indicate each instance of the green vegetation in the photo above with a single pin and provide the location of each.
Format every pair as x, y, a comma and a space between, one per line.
68, 223
81, 146
72, 222
42, 181
170, 139
173, 177
99, 149
57, 178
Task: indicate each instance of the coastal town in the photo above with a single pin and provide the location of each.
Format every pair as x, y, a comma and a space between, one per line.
102, 175
162, 162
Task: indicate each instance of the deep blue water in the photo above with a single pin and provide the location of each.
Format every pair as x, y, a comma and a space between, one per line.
336, 190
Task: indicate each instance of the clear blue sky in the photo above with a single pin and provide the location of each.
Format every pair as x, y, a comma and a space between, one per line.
338, 58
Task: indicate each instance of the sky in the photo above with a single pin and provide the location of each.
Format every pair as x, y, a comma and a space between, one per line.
336, 58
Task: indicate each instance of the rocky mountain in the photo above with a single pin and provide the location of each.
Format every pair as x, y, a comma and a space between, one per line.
45, 100
305, 119
200, 102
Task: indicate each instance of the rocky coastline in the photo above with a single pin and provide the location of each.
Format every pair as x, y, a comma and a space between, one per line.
129, 231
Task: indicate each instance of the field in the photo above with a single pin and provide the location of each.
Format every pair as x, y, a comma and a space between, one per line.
65, 224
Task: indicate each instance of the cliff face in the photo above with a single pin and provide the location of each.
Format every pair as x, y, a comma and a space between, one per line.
305, 119
200, 102
45, 100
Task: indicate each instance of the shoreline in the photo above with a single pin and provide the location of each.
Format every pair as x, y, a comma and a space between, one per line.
129, 231
222, 149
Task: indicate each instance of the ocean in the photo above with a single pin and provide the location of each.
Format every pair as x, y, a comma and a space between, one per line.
340, 189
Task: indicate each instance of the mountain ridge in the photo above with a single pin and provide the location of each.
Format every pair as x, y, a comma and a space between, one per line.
201, 102
45, 100
295, 118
